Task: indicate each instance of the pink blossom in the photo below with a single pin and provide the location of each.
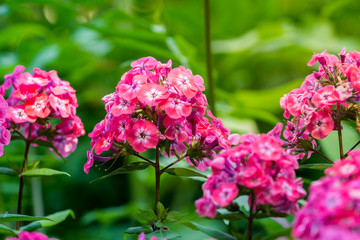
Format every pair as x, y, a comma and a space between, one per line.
225, 194
176, 108
321, 124
18, 115
122, 106
30, 236
325, 96
38, 106
152, 94
143, 136
337, 197
183, 81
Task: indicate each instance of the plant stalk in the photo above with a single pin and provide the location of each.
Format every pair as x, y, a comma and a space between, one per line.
251, 216
208, 56
21, 185
338, 122
157, 179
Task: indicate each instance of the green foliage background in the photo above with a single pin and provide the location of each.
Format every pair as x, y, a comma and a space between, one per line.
260, 52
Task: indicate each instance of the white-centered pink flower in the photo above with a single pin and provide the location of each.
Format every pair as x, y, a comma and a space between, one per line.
143, 135
151, 94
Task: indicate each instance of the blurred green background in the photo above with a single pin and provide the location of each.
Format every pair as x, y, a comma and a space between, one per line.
260, 52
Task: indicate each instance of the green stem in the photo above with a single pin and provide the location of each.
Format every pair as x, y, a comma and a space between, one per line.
21, 185
208, 56
251, 216
338, 122
157, 179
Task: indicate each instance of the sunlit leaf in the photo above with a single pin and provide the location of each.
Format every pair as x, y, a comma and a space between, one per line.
184, 172
209, 231
19, 217
42, 172
54, 219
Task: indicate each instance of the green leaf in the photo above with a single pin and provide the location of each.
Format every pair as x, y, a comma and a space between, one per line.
19, 217
317, 166
161, 211
7, 231
174, 216
232, 216
43, 172
54, 219
219, 235
7, 171
184, 172
146, 216
138, 230
135, 166
162, 234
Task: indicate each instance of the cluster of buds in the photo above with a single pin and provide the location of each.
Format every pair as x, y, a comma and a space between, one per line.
332, 210
41, 106
258, 167
324, 98
30, 236
157, 105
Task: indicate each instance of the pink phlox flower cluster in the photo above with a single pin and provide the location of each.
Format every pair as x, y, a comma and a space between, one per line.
332, 210
30, 236
157, 105
258, 165
45, 102
313, 106
5, 134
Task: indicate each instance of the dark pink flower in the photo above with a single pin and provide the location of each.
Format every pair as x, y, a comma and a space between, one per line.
183, 81
38, 106
30, 236
321, 124
225, 194
143, 135
152, 94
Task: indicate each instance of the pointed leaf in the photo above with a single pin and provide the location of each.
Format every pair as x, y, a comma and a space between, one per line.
7, 231
146, 216
184, 172
161, 234
174, 216
7, 171
161, 211
232, 216
317, 166
43, 172
219, 235
138, 230
55, 218
19, 217
135, 166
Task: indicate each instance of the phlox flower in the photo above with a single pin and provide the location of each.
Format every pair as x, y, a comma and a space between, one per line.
155, 104
337, 197
321, 124
143, 135
259, 165
24, 235
152, 93
37, 99
183, 81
